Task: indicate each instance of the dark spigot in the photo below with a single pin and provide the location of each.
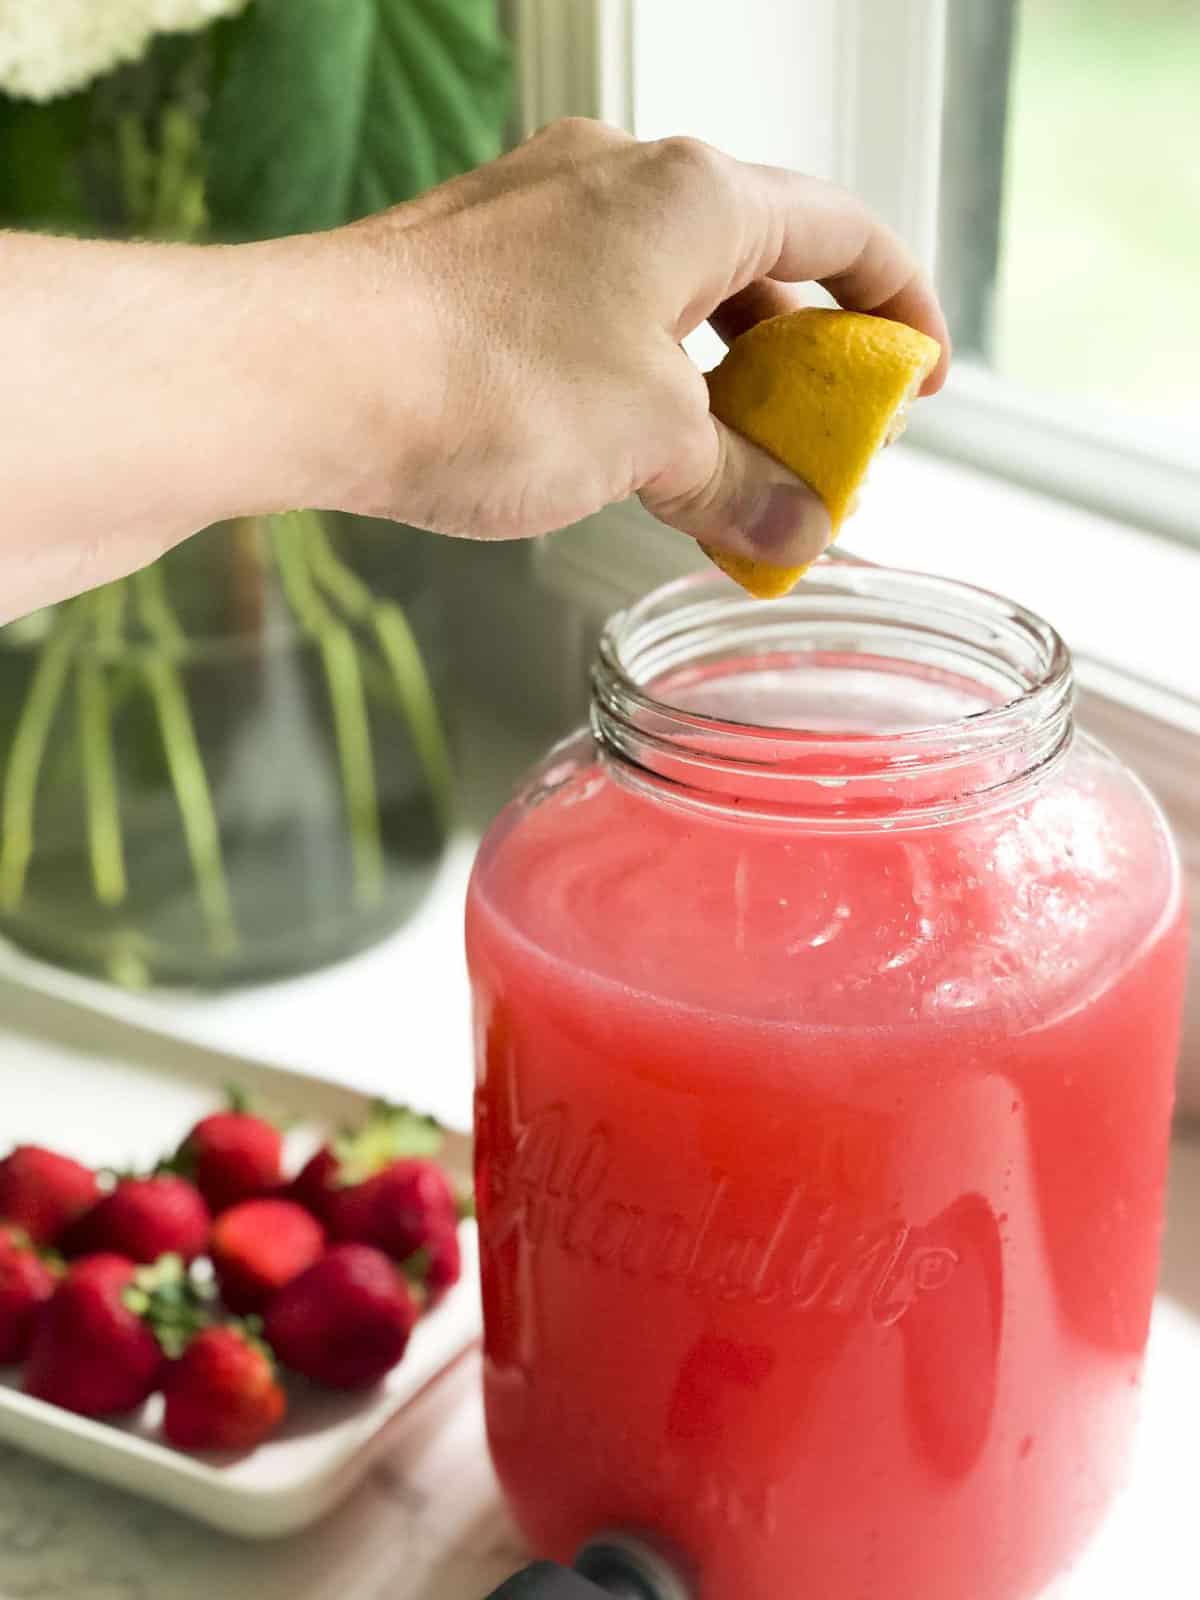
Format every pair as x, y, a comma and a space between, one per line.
615, 1565
545, 1581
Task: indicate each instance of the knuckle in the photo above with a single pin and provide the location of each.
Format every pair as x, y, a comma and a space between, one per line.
574, 132
695, 456
683, 397
690, 160
672, 403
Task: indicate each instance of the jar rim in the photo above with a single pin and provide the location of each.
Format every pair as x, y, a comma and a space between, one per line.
1007, 648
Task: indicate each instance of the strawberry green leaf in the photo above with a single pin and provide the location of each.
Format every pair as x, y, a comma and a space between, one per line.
416, 1266
236, 1098
392, 1133
174, 1302
180, 1165
251, 1330
240, 1100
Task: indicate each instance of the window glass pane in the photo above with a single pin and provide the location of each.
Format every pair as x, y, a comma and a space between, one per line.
1071, 203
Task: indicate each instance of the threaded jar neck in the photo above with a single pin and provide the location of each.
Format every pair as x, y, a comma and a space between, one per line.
867, 696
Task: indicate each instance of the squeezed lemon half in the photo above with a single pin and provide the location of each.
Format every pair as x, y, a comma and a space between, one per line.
823, 392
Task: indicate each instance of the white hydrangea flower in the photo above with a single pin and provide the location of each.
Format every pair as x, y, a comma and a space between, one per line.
187, 16
53, 47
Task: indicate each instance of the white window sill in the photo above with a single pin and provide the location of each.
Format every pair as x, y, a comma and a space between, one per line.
393, 1021
1118, 595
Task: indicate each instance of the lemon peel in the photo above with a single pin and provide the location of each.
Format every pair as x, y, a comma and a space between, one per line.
822, 391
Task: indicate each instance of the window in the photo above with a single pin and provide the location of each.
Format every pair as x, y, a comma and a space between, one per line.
1069, 234
1046, 147
1088, 294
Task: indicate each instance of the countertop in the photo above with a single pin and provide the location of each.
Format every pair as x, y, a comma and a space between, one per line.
428, 1524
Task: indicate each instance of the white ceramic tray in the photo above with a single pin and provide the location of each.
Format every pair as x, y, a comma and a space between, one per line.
119, 1095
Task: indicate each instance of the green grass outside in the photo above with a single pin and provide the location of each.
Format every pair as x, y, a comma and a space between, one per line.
1099, 292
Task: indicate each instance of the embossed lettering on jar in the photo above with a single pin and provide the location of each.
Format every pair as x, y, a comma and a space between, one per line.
827, 1002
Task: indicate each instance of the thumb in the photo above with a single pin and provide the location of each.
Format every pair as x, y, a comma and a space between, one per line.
729, 494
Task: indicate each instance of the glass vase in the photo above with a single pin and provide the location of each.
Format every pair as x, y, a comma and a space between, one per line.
231, 765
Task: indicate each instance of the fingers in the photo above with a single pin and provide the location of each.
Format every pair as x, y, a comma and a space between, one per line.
809, 230
885, 267
766, 298
755, 303
729, 494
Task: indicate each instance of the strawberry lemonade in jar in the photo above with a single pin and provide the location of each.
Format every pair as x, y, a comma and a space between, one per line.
827, 1002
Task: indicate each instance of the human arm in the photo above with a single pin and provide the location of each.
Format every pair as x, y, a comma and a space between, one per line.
495, 359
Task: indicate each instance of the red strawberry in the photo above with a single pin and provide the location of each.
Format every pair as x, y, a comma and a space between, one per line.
437, 1265
42, 1192
346, 1321
222, 1393
26, 1283
316, 1181
259, 1246
389, 1134
231, 1156
92, 1352
144, 1218
400, 1210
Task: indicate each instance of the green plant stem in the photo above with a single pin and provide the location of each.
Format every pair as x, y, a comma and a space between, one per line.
402, 654
28, 749
125, 957
399, 645
154, 608
343, 676
185, 762
109, 606
190, 782
106, 848
136, 166
174, 200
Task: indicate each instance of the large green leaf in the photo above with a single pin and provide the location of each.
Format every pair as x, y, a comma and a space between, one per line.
329, 109
39, 173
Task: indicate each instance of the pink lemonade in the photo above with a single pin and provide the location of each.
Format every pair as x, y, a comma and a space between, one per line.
820, 1172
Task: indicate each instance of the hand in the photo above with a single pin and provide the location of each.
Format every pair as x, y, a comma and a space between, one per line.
496, 359
516, 335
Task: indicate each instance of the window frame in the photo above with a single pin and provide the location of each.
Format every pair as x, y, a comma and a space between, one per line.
995, 424
1125, 470
869, 107
976, 103
858, 101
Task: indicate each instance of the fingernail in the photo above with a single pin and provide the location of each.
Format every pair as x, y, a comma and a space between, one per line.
789, 526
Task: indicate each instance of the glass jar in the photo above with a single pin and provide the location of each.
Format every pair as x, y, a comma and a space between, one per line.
230, 766
827, 1003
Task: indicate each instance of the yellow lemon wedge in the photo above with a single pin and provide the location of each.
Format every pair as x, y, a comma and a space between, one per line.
822, 391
